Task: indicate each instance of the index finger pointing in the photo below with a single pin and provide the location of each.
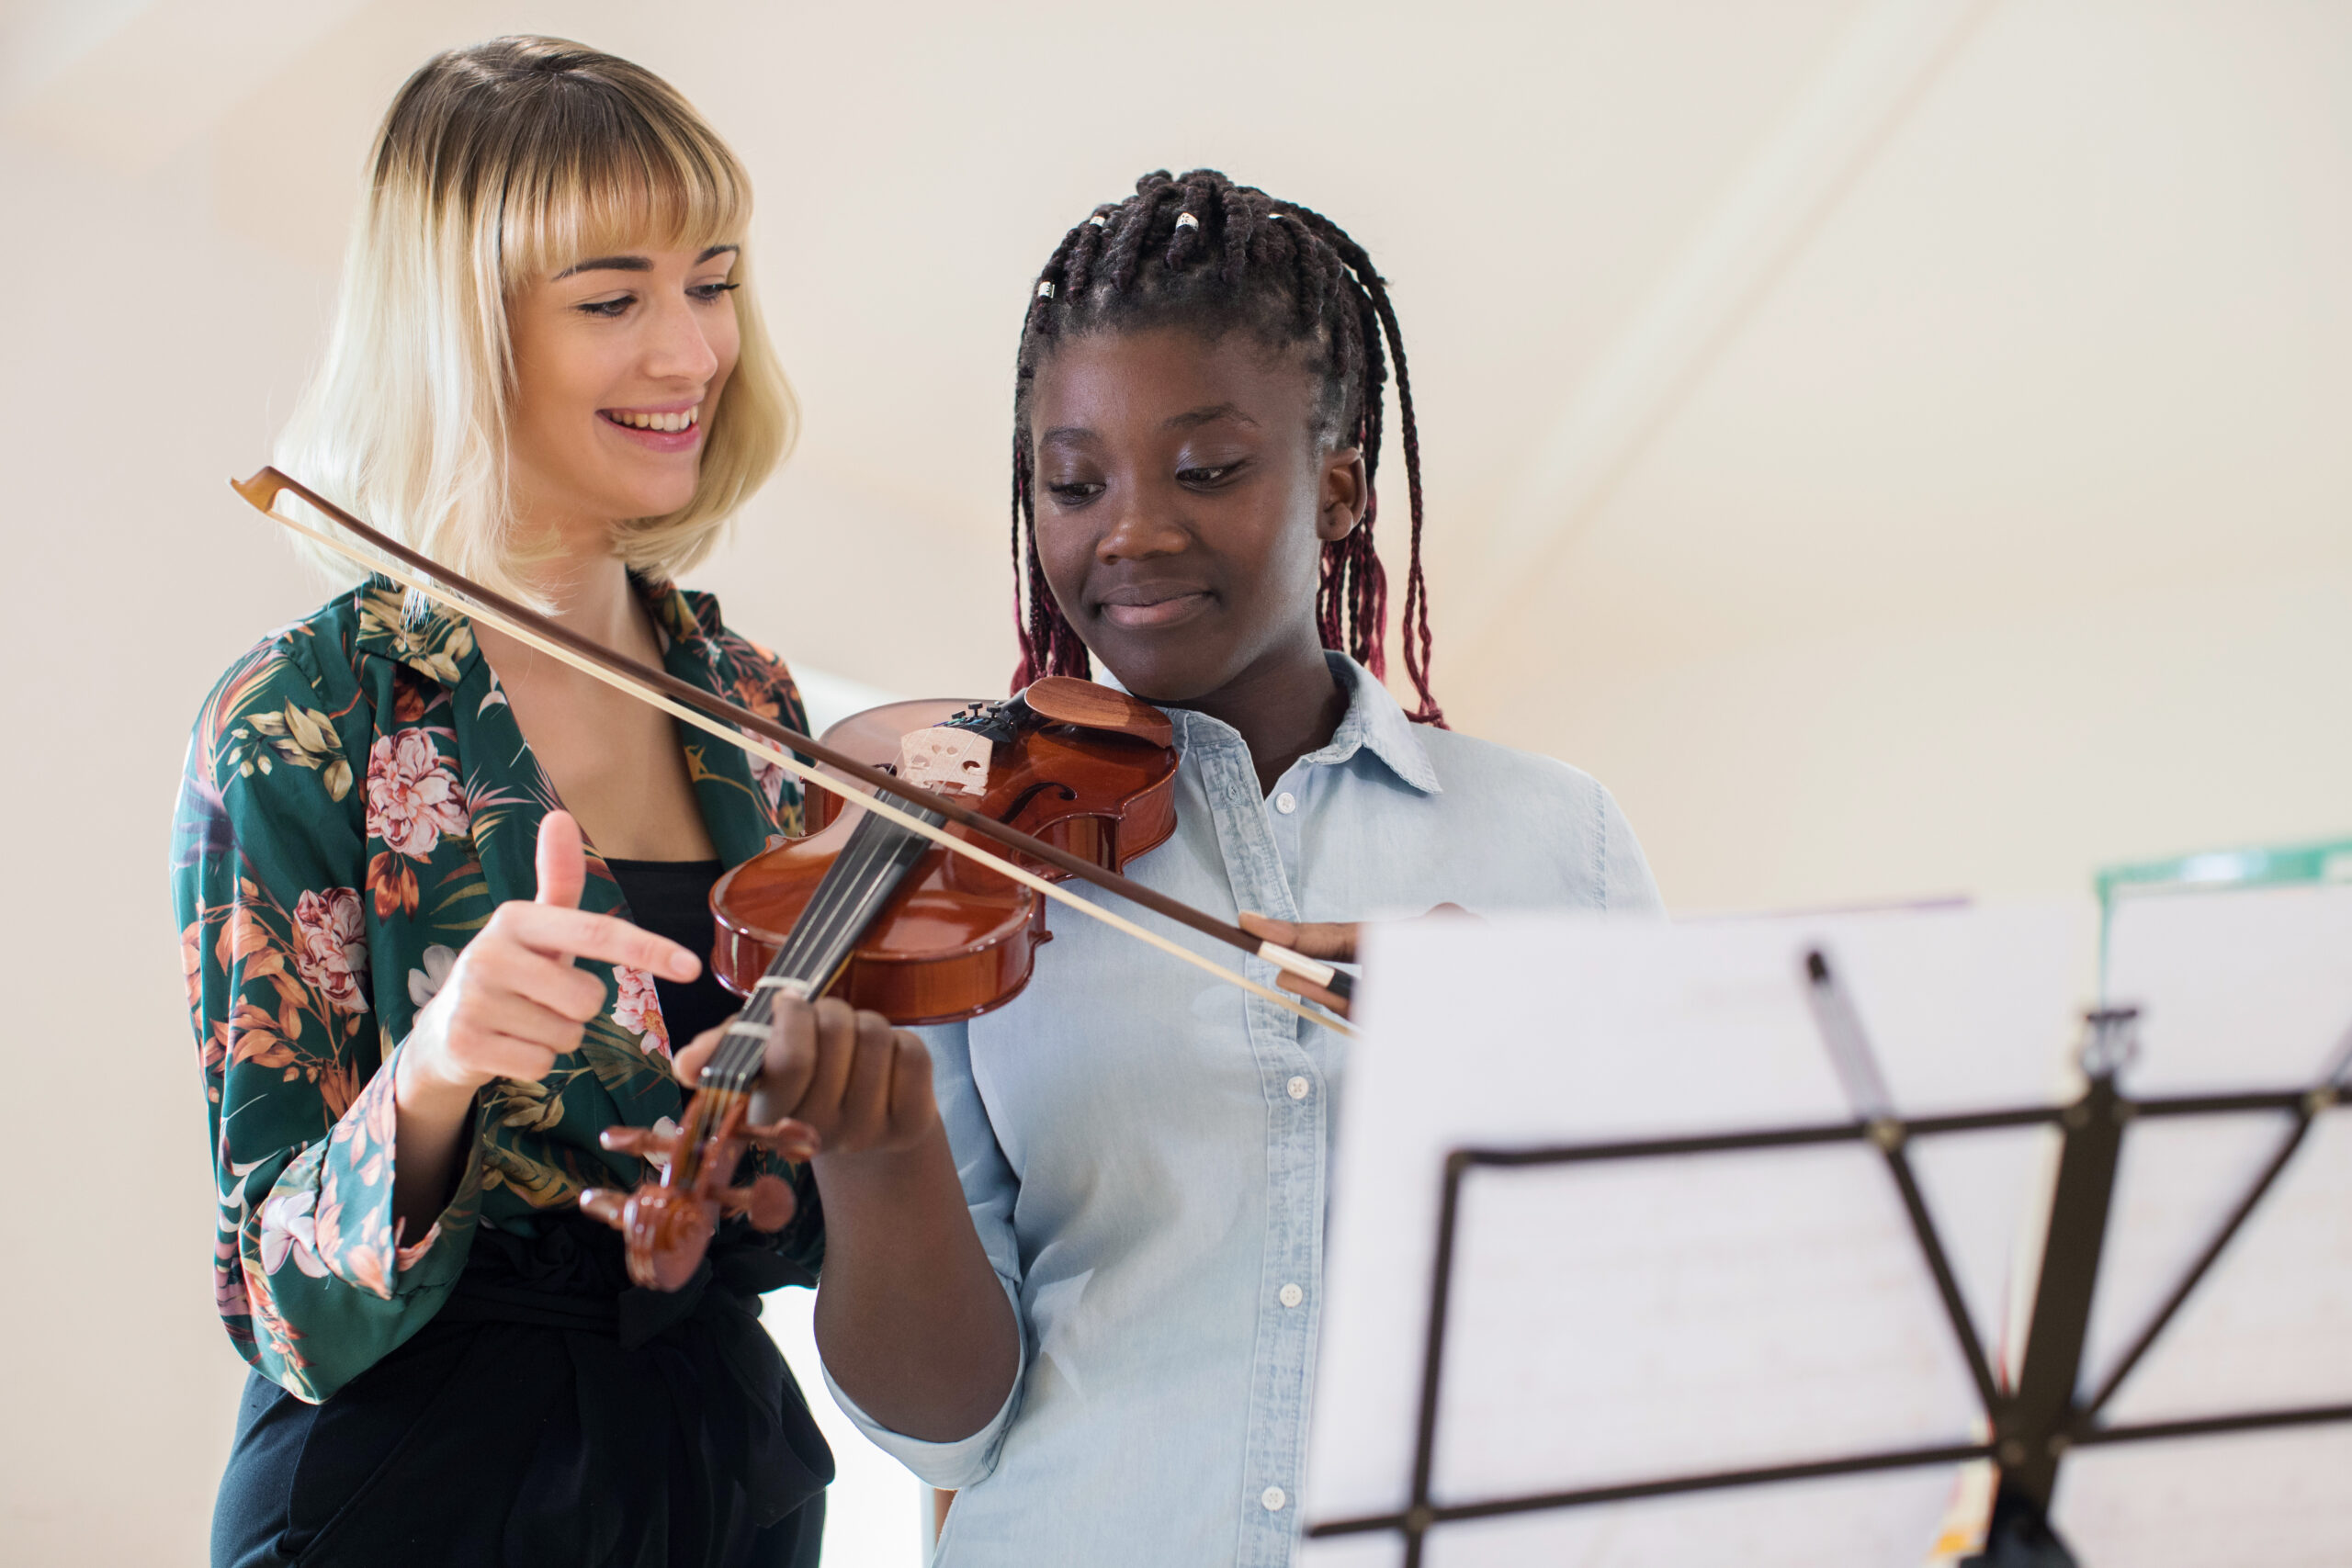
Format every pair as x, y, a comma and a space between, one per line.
559, 933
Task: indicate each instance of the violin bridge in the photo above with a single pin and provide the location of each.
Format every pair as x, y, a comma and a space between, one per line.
952, 762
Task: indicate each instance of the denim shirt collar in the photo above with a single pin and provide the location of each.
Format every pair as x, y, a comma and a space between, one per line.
1373, 723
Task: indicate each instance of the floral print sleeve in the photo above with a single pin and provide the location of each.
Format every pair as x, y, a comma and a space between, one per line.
357, 799
312, 1277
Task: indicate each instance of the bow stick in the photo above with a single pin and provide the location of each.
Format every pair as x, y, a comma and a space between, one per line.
702, 709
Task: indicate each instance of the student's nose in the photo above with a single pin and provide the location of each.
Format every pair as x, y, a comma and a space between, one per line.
1138, 529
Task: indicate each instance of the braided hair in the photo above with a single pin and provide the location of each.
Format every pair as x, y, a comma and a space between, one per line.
1204, 253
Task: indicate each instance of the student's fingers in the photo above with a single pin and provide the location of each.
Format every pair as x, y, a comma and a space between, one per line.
1312, 992
865, 1093
687, 1065
1334, 942
563, 934
913, 1105
790, 1060
561, 860
835, 1026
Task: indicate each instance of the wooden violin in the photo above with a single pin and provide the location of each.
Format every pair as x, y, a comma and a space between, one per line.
876, 914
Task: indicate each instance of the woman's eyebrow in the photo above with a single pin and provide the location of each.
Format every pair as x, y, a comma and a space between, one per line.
635, 263
1195, 418
606, 263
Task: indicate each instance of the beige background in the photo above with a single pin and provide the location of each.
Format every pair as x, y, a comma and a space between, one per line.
1899, 446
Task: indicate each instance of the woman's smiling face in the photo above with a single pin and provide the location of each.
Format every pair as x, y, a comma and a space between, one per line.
619, 362
1184, 500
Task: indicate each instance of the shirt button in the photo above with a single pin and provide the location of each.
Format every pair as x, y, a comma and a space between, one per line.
1291, 1295
1273, 1497
1298, 1087
1286, 802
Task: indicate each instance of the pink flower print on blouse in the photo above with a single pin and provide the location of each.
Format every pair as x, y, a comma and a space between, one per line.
413, 797
771, 780
639, 1010
331, 946
287, 1227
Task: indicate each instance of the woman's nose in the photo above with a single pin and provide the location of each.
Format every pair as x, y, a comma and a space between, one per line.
680, 348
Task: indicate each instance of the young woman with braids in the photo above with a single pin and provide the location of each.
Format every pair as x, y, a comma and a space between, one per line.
1197, 428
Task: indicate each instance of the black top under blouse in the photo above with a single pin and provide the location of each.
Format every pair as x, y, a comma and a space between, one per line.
672, 899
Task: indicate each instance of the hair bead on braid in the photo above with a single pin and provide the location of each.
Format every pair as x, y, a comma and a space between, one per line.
1293, 278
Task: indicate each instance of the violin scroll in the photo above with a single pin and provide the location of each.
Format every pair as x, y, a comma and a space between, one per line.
666, 1226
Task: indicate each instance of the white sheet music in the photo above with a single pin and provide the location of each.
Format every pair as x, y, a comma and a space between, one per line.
2238, 990
1621, 1322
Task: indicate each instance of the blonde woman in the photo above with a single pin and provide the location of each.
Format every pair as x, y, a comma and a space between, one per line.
419, 995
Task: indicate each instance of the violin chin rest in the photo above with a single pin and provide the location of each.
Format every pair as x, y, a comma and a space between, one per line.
1066, 699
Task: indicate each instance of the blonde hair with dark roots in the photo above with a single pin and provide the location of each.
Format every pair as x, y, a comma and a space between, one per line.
497, 165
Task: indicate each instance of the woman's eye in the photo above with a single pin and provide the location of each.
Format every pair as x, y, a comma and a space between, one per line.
1207, 476
612, 307
711, 293
1069, 493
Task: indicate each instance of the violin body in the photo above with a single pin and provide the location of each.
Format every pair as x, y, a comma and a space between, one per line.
889, 921
1088, 770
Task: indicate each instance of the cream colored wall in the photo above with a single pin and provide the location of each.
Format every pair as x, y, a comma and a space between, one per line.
1897, 443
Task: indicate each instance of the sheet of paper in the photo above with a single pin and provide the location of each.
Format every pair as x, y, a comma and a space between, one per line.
2238, 990
1636, 1321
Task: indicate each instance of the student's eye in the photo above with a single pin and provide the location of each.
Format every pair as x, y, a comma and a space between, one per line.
1207, 475
1073, 492
711, 293
615, 305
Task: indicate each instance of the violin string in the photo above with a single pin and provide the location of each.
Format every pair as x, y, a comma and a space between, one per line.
861, 878
758, 747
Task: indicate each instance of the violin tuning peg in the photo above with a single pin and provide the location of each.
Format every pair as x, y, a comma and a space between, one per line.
656, 1144
767, 1203
602, 1204
795, 1141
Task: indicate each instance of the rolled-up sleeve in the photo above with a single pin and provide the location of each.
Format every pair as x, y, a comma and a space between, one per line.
990, 1190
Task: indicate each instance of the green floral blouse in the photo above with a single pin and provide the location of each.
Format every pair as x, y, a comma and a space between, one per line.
357, 799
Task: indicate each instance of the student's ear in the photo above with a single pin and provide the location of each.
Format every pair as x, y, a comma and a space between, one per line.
1345, 495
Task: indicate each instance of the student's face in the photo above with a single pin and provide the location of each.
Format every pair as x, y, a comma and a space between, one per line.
603, 350
1183, 502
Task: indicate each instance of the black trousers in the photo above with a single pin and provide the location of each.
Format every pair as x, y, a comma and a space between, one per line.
529, 1426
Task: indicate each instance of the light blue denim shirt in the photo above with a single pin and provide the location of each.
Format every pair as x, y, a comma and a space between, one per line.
1147, 1150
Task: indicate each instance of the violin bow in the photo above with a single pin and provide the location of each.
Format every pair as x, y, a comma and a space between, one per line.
728, 721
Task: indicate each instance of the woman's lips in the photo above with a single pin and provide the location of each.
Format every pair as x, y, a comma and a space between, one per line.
1156, 608
684, 440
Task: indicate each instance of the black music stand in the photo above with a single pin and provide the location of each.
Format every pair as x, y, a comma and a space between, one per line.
2034, 1426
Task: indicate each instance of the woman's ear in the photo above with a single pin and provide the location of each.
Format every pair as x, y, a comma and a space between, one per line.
1345, 495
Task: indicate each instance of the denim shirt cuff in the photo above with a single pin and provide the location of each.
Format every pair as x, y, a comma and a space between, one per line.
946, 1466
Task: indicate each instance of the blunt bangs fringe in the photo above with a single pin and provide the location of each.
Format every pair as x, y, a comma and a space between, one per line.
495, 167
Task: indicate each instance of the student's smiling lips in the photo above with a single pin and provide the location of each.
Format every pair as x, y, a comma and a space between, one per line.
661, 427
1147, 606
